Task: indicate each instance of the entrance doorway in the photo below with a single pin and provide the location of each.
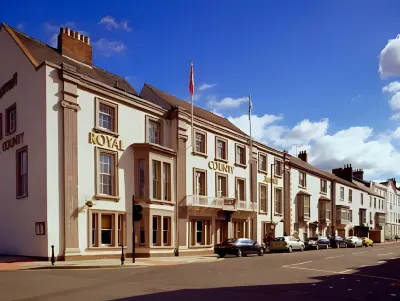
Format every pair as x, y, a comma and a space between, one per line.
221, 231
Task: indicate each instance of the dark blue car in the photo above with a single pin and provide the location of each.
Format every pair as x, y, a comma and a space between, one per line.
316, 243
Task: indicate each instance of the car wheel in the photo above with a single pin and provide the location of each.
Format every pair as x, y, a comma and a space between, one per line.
239, 253
260, 252
290, 249
302, 248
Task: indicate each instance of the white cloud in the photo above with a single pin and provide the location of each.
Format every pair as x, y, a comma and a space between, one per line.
359, 146
389, 59
206, 86
393, 89
107, 48
110, 23
226, 103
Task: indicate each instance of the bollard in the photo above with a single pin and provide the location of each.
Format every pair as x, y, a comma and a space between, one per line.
122, 255
52, 256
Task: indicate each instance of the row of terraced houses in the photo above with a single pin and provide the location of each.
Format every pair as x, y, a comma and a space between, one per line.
77, 142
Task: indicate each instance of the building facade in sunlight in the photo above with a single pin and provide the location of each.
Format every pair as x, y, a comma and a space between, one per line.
77, 143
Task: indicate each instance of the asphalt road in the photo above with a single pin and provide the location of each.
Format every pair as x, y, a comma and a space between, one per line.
335, 274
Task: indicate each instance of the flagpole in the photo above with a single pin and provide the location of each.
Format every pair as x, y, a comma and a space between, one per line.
251, 139
192, 127
192, 99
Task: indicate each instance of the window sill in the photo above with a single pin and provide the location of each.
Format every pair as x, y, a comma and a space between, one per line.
221, 160
162, 247
200, 154
240, 165
101, 197
277, 176
160, 202
278, 214
263, 212
105, 131
10, 133
22, 196
263, 171
302, 187
324, 193
104, 248
200, 246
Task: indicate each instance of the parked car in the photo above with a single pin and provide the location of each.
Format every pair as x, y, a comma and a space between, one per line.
286, 243
317, 242
354, 242
367, 242
239, 247
337, 242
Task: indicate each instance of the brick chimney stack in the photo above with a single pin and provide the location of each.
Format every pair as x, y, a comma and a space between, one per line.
359, 174
303, 156
345, 173
75, 46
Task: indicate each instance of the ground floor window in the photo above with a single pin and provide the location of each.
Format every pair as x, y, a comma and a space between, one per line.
108, 229
200, 232
161, 230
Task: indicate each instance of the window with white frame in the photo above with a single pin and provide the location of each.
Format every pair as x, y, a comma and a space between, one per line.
22, 172
302, 179
263, 197
342, 193
142, 179
262, 162
166, 241
222, 186
108, 229
166, 181
240, 191
107, 173
156, 239
240, 155
156, 175
106, 117
154, 131
323, 186
200, 143
303, 207
200, 182
350, 195
200, 232
278, 201
221, 149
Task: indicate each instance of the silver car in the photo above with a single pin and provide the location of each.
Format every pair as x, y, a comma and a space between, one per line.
354, 241
286, 243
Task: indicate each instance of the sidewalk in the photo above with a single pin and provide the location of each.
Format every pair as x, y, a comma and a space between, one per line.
14, 263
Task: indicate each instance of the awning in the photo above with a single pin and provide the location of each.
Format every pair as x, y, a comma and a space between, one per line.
324, 198
303, 192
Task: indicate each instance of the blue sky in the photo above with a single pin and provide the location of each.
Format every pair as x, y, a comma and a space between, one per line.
311, 66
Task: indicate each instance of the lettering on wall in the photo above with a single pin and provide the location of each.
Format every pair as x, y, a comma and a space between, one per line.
220, 166
268, 180
105, 140
8, 86
13, 142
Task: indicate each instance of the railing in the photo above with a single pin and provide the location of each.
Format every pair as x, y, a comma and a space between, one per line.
243, 205
219, 203
204, 201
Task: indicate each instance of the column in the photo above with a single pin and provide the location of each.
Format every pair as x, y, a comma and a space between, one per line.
70, 125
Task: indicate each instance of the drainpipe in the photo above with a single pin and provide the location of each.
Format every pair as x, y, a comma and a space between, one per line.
176, 251
284, 192
272, 176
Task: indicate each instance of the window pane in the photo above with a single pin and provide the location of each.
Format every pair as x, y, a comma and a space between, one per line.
154, 132
141, 179
106, 174
106, 229
106, 117
155, 230
199, 232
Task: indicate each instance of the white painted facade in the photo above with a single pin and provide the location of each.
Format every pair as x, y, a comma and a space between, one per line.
313, 188
18, 216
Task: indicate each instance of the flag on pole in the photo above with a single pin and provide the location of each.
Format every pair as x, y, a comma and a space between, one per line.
250, 106
191, 79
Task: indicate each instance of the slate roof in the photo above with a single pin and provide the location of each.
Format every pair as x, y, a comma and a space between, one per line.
42, 52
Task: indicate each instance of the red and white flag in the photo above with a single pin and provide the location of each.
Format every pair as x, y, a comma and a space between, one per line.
191, 79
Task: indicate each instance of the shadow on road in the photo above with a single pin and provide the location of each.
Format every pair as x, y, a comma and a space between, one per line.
364, 283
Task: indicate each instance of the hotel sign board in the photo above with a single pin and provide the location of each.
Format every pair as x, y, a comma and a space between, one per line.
105, 140
268, 180
220, 166
8, 86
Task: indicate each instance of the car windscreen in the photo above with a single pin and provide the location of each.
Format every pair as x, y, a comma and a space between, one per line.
279, 239
229, 241
312, 238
